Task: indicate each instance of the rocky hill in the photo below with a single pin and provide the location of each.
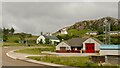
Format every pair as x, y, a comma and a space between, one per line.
95, 25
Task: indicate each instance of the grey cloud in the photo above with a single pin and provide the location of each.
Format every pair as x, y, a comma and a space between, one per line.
35, 17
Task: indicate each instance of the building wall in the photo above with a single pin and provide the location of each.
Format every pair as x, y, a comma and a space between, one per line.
63, 44
43, 40
90, 40
39, 39
54, 41
109, 52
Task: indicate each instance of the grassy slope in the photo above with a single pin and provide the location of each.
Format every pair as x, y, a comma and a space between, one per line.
77, 32
70, 61
13, 40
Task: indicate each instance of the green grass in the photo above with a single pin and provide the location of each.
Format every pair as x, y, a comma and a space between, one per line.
77, 32
12, 44
35, 50
69, 61
12, 38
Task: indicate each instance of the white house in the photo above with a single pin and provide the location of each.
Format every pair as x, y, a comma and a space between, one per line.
92, 33
114, 32
63, 31
91, 45
52, 39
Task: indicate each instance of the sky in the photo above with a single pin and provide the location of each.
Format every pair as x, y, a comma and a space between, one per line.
36, 17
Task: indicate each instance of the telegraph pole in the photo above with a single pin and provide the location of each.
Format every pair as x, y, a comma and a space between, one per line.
106, 31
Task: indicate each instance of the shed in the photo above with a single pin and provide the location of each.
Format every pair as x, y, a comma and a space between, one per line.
110, 50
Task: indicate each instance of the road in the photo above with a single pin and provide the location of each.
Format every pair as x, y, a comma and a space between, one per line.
11, 63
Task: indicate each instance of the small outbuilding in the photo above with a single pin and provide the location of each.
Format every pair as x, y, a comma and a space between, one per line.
110, 50
91, 45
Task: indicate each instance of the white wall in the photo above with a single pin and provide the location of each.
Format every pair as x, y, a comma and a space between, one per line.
54, 41
109, 52
39, 38
63, 44
43, 39
90, 40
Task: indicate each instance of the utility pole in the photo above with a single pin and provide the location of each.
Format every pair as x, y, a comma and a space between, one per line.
106, 31
109, 39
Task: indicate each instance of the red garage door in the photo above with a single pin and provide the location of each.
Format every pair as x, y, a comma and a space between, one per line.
89, 48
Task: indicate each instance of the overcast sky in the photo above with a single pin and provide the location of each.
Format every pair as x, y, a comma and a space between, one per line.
34, 17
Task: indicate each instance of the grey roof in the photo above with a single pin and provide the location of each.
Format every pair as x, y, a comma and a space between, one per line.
75, 42
51, 37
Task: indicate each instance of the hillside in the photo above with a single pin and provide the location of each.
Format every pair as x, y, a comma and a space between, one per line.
95, 25
79, 29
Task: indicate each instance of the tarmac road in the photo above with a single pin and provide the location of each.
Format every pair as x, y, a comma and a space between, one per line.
11, 63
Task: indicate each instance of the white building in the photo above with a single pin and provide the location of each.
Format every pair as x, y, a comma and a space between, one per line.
71, 45
114, 32
92, 33
109, 50
52, 39
63, 31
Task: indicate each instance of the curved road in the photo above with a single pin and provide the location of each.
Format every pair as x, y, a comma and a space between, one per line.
11, 63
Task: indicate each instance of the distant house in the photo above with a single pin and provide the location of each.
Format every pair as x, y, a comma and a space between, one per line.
92, 33
114, 32
91, 45
63, 31
71, 45
51, 39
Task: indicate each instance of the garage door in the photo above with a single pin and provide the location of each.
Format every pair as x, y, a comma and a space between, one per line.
62, 48
89, 48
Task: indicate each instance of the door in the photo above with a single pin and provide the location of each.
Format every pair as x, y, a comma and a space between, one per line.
63, 49
89, 48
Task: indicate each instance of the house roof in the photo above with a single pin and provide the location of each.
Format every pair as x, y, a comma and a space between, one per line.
92, 32
110, 47
51, 37
114, 31
75, 42
97, 40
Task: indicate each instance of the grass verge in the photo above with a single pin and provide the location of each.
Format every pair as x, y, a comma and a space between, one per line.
69, 61
35, 50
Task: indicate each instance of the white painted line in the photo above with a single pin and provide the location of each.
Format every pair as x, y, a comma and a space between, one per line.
11, 56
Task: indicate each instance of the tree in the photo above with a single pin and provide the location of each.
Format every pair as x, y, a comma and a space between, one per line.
47, 41
5, 31
12, 30
5, 38
59, 37
22, 37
